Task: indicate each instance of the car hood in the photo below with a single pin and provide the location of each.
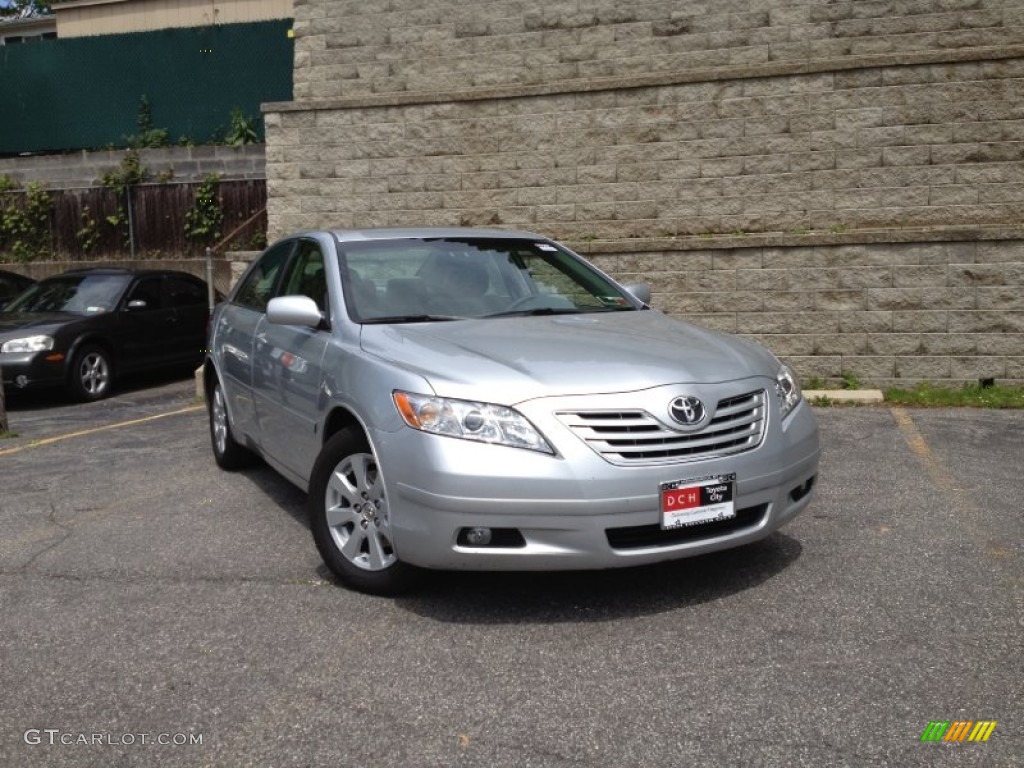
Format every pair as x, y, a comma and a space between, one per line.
514, 359
14, 324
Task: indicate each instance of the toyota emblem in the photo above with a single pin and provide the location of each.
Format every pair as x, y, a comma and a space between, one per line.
687, 410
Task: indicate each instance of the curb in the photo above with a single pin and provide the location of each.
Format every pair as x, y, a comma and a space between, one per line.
845, 395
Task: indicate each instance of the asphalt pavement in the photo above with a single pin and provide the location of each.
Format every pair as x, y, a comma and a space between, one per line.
156, 611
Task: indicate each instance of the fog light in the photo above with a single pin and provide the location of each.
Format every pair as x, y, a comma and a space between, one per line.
478, 537
21, 381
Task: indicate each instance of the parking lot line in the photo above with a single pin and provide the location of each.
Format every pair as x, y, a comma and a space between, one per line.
937, 471
104, 428
940, 475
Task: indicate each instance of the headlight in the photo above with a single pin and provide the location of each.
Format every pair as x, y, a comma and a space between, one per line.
788, 390
27, 344
469, 420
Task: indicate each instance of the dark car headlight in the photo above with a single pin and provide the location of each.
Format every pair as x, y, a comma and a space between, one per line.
788, 390
27, 344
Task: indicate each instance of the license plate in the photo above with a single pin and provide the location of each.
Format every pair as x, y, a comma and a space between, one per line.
700, 500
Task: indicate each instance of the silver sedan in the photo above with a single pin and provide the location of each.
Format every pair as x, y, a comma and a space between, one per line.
485, 399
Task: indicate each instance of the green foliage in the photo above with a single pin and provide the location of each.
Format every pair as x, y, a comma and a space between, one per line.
967, 396
88, 235
8, 183
131, 171
25, 227
850, 380
24, 9
149, 136
242, 129
203, 219
257, 241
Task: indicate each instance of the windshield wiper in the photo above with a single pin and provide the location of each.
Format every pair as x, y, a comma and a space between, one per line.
410, 319
540, 311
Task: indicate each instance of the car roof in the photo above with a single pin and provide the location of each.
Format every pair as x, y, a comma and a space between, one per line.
398, 233
123, 271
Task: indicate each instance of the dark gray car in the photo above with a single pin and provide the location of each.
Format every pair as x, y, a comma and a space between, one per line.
82, 329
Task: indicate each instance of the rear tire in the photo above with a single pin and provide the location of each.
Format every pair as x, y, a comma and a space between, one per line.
227, 452
92, 374
350, 518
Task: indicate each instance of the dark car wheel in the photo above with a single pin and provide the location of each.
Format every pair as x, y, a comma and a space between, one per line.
227, 452
92, 374
350, 520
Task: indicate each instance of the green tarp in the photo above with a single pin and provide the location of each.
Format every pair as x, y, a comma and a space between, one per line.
84, 93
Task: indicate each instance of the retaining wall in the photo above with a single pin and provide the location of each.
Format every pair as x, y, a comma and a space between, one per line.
85, 169
946, 306
646, 132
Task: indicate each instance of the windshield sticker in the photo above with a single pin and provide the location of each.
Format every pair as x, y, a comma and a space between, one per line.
546, 247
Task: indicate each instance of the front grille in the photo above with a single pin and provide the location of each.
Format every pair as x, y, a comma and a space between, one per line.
636, 437
640, 536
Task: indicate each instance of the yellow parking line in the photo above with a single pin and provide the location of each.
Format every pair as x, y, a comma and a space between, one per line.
104, 428
937, 471
940, 476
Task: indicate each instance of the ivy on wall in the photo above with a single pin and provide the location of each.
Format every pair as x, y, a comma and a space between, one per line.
25, 223
203, 219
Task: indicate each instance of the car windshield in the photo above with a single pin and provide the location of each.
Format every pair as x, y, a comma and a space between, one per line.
88, 294
425, 279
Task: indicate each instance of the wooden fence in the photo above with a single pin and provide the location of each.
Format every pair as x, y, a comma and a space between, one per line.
146, 221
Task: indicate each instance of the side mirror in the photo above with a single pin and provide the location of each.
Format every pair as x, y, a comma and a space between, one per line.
294, 310
641, 291
137, 304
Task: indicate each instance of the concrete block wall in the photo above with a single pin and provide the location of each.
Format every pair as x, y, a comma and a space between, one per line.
949, 308
844, 150
355, 48
888, 131
85, 169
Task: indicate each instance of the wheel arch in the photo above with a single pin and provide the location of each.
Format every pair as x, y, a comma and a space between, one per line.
91, 339
209, 376
341, 417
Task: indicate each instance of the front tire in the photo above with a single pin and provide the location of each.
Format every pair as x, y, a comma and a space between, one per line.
350, 517
92, 374
227, 452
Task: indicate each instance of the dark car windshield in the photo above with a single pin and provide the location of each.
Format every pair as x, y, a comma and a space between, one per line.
422, 279
88, 294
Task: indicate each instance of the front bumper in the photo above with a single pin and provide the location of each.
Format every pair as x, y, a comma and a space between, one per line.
575, 510
30, 370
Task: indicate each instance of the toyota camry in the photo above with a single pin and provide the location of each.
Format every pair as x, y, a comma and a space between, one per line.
486, 399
